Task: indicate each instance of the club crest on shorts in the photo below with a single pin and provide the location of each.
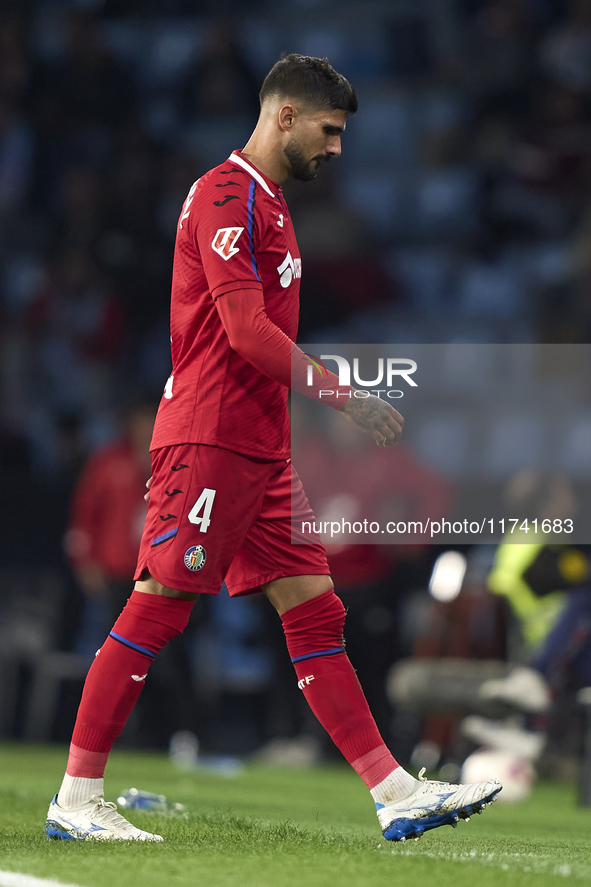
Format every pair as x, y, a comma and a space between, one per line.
195, 558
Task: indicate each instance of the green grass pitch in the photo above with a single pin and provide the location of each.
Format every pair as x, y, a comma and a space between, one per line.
269, 828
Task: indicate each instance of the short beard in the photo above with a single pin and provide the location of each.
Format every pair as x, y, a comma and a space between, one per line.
300, 169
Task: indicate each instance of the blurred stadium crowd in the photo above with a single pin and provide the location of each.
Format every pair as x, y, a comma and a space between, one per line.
459, 211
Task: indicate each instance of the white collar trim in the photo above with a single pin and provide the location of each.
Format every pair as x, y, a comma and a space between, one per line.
236, 158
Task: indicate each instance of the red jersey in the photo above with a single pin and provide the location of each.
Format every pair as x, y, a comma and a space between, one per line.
234, 233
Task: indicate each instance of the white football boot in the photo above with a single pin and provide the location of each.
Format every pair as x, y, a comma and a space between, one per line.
96, 820
433, 804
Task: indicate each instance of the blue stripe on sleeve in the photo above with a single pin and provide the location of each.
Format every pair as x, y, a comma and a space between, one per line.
250, 225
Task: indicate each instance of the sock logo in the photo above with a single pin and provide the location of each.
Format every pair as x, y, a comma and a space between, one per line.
139, 677
305, 681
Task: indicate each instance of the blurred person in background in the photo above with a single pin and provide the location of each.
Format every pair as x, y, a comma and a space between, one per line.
548, 588
510, 660
106, 520
545, 497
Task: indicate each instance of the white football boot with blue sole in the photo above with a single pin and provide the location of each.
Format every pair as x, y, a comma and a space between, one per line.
97, 820
433, 804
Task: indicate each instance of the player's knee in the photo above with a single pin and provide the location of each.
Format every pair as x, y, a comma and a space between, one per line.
324, 614
147, 584
291, 591
152, 620
315, 628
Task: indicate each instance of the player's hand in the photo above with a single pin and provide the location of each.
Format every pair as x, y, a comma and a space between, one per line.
148, 486
375, 417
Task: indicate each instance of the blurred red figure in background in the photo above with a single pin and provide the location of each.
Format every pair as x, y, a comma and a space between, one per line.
108, 513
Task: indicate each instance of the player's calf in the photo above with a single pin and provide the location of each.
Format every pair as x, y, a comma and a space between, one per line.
113, 685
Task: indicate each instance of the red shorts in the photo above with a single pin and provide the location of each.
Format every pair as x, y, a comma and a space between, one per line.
215, 515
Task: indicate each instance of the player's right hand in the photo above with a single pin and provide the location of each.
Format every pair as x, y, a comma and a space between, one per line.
148, 485
375, 417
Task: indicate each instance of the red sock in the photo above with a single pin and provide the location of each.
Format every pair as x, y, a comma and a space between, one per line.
117, 675
314, 634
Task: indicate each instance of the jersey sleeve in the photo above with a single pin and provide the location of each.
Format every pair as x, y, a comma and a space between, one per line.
227, 235
267, 348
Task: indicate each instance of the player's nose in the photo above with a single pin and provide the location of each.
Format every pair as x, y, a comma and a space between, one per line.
333, 149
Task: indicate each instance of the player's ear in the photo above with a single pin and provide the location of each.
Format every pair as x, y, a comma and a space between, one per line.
287, 117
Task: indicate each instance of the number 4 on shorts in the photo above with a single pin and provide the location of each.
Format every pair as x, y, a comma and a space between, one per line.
205, 502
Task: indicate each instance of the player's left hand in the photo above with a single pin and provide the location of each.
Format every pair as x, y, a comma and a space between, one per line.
375, 417
148, 486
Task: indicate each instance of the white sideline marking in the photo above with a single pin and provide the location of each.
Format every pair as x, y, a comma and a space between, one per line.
534, 863
16, 879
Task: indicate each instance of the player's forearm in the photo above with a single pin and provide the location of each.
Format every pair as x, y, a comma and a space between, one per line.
259, 341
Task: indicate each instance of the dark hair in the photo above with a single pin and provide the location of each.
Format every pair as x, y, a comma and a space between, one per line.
312, 80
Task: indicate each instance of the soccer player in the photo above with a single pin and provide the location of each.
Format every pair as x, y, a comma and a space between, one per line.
224, 490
